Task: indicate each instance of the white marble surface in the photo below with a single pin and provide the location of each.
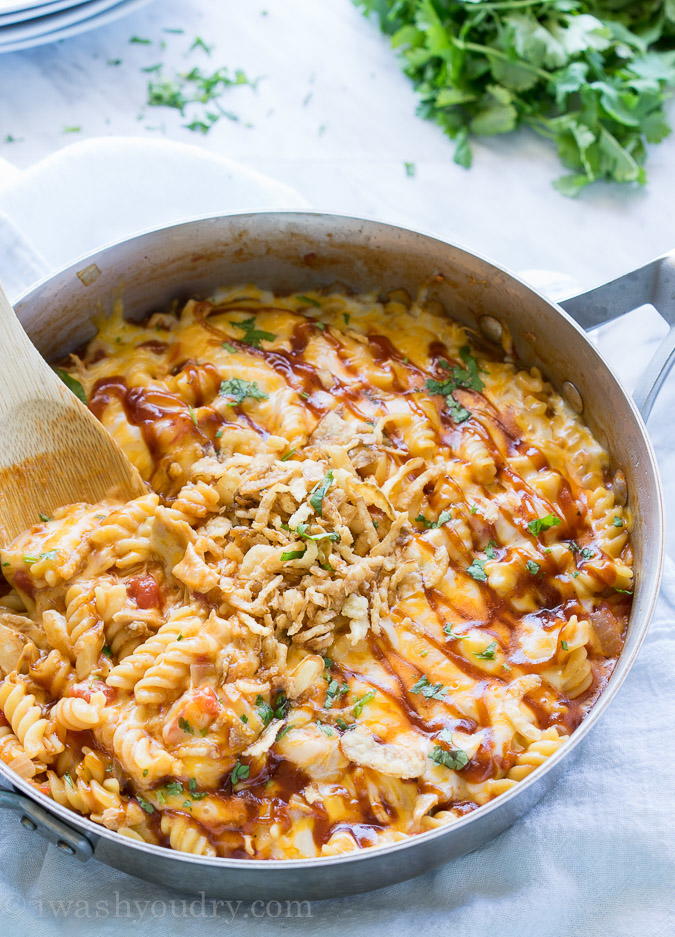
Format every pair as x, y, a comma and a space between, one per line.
334, 118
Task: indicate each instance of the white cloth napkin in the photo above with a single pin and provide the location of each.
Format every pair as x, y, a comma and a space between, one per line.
594, 859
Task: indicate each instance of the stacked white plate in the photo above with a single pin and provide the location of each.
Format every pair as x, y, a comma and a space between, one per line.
28, 23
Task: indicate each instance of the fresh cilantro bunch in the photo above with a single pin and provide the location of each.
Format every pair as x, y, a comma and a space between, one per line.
591, 76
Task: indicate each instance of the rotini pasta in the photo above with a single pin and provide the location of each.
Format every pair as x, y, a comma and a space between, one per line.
379, 577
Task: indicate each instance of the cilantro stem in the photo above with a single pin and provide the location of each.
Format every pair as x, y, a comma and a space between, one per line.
497, 54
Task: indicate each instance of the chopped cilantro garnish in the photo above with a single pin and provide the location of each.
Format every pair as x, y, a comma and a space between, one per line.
533, 567
106, 650
30, 558
174, 787
144, 804
428, 690
44, 518
443, 518
239, 773
284, 730
318, 493
489, 652
228, 347
72, 384
477, 571
288, 455
238, 390
253, 336
357, 708
587, 553
309, 301
292, 555
456, 758
326, 729
244, 718
185, 726
200, 44
564, 645
451, 634
333, 692
410, 169
264, 710
301, 531
617, 522
491, 550
466, 377
543, 523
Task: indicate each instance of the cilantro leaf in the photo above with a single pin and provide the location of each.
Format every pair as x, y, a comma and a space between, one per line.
292, 555
301, 531
591, 77
237, 389
488, 653
477, 571
456, 758
334, 691
357, 708
428, 690
443, 518
72, 384
252, 335
318, 493
239, 773
543, 523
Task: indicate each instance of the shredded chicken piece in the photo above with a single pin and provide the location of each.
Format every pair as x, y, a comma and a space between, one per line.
398, 761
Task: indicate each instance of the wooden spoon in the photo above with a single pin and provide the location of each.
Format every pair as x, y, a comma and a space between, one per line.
53, 450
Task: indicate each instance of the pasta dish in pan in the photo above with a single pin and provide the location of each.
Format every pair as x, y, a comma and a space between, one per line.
380, 574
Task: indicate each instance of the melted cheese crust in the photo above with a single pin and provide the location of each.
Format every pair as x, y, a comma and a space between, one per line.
379, 577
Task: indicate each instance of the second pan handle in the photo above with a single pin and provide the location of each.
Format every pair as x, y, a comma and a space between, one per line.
655, 284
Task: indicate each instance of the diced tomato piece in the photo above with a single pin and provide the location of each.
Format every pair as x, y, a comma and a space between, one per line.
145, 591
84, 690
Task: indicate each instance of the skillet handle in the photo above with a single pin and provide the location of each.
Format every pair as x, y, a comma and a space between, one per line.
655, 284
34, 817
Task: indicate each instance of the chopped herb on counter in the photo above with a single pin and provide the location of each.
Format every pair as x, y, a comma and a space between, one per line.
592, 77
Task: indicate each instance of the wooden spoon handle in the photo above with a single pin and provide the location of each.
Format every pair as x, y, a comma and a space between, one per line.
24, 372
53, 450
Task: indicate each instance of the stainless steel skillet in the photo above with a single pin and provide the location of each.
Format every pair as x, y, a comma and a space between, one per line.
296, 252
